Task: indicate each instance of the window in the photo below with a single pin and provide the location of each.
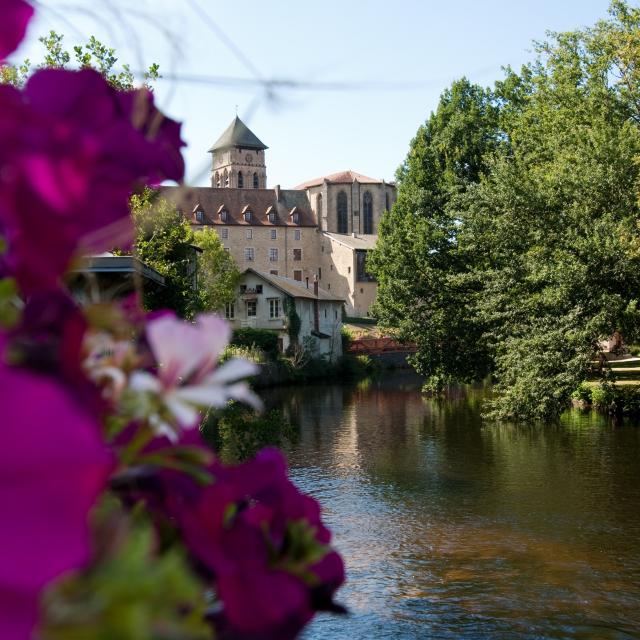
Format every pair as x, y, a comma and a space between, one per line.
224, 233
273, 272
297, 234
297, 255
296, 218
361, 267
274, 234
199, 216
230, 311
258, 288
297, 275
256, 182
335, 314
319, 206
329, 285
243, 288
325, 313
274, 308
223, 215
343, 224
272, 217
367, 213
227, 249
248, 254
273, 255
249, 234
386, 201
247, 216
348, 269
226, 178
240, 180
319, 273
217, 182
252, 308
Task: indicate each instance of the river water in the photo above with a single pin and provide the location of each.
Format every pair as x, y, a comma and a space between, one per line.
452, 528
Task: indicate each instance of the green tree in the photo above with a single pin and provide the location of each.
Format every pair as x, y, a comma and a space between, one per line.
217, 272
425, 286
164, 241
524, 262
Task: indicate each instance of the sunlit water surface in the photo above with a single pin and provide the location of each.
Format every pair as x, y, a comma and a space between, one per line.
452, 528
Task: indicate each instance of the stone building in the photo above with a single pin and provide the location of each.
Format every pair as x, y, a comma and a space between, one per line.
262, 302
321, 229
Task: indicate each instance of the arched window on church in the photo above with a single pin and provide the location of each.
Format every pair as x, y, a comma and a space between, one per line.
319, 207
367, 213
343, 224
226, 178
256, 183
217, 181
240, 180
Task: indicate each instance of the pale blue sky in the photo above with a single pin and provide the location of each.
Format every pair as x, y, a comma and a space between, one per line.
313, 132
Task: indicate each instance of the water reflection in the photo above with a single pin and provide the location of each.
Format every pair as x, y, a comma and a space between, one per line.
456, 529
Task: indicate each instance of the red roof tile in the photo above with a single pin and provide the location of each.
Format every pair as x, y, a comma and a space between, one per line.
260, 202
340, 177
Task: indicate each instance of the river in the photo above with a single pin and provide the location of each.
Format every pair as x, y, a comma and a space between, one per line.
453, 528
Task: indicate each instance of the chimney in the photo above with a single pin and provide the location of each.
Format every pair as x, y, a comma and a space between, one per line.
277, 190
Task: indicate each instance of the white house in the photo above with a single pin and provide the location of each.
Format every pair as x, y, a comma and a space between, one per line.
267, 301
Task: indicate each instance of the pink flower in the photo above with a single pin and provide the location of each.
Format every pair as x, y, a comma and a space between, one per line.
188, 377
53, 467
15, 17
72, 149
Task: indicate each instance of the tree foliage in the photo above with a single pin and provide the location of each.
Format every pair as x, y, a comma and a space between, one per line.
92, 55
513, 247
217, 272
164, 241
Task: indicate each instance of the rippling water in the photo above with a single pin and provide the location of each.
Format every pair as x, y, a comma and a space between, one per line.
452, 528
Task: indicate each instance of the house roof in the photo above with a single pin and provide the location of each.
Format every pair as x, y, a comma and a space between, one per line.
342, 177
295, 288
353, 242
109, 263
212, 201
237, 134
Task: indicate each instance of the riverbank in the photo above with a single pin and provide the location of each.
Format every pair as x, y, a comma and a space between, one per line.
617, 393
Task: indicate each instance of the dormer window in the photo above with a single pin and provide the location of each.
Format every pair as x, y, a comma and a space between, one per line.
224, 215
198, 213
295, 215
272, 217
246, 214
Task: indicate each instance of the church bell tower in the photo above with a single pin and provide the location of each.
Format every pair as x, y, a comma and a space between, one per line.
237, 159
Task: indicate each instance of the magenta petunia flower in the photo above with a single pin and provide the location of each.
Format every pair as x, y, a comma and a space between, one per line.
72, 149
53, 467
15, 17
263, 543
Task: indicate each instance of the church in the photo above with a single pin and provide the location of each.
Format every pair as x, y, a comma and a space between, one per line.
319, 231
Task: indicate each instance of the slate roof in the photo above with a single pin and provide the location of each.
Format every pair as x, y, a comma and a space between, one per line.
237, 134
211, 201
342, 177
295, 288
358, 242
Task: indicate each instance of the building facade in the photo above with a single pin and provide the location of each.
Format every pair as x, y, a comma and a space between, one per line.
262, 303
320, 230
